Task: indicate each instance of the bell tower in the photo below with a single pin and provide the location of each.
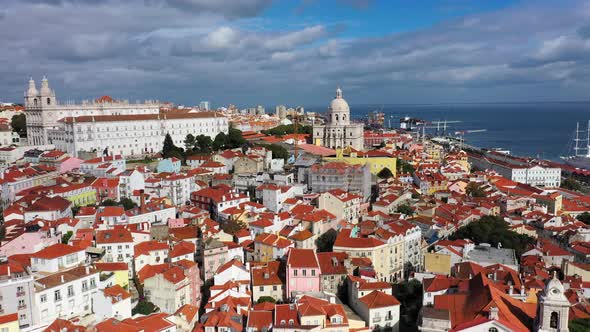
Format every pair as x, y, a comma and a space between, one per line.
46, 94
32, 96
553, 308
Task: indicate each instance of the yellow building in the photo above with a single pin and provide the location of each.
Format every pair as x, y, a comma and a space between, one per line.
9, 323
387, 255
119, 270
437, 263
377, 160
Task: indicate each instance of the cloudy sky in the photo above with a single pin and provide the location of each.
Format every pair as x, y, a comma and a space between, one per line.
297, 51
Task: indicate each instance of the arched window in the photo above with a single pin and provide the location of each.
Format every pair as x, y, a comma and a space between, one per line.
48, 101
343, 116
336, 117
35, 101
492, 329
554, 320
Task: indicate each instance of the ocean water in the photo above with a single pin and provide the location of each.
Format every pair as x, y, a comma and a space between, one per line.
528, 129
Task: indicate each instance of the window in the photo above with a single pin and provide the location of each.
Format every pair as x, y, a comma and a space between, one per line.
43, 298
313, 273
554, 320
304, 272
262, 288
274, 288
492, 329
295, 273
57, 296
70, 291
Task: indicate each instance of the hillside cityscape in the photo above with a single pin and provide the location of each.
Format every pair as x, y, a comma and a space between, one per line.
218, 214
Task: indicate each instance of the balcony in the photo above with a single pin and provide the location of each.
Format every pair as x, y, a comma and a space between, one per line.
22, 307
376, 319
20, 294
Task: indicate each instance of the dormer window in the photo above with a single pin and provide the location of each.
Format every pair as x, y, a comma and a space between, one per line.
291, 322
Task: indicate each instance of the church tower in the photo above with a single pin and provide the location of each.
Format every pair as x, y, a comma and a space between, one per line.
32, 95
46, 94
553, 308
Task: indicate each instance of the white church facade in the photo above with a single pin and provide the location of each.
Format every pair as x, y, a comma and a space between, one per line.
339, 131
108, 125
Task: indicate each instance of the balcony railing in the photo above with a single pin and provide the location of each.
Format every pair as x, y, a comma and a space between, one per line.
376, 319
20, 294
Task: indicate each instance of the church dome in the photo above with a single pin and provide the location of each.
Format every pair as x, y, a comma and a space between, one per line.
554, 288
338, 104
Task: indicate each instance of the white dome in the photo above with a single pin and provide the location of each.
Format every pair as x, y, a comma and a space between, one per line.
338, 104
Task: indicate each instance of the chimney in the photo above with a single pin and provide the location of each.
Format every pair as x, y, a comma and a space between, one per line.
62, 279
87, 269
141, 200
493, 313
522, 290
8, 269
511, 290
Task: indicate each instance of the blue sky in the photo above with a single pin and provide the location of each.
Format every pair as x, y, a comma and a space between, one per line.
296, 52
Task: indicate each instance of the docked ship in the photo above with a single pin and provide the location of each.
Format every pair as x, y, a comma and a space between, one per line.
581, 157
408, 123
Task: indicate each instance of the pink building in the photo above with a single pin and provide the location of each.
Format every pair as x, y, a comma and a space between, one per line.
68, 164
303, 271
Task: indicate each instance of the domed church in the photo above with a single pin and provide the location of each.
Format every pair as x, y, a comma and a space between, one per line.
339, 132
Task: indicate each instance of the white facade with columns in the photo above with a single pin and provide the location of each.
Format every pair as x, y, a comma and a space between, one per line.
43, 111
133, 135
107, 125
339, 132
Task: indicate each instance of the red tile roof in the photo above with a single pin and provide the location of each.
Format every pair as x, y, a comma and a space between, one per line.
116, 235
378, 299
55, 251
302, 258
144, 248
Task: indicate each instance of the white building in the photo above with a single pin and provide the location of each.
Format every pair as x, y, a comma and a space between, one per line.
112, 302
17, 289
133, 135
339, 132
57, 257
518, 170
66, 294
43, 111
107, 125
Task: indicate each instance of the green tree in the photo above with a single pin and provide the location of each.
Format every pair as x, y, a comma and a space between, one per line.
409, 293
405, 209
404, 167
109, 202
189, 142
66, 237
584, 217
473, 189
219, 142
571, 184
127, 203
2, 233
203, 143
385, 173
232, 226
266, 299
494, 230
579, 325
235, 138
144, 307
278, 151
168, 147
19, 124
325, 242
